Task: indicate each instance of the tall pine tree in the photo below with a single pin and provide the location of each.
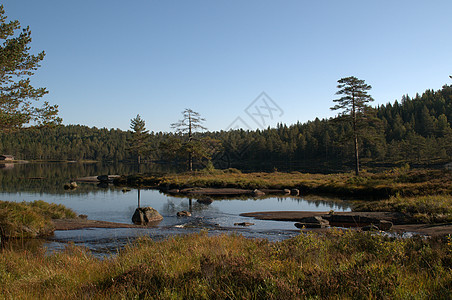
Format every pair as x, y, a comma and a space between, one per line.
353, 104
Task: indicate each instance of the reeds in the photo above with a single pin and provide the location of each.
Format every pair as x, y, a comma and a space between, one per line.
336, 265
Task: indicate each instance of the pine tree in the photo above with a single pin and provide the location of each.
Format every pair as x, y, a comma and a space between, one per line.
189, 124
353, 104
17, 65
139, 143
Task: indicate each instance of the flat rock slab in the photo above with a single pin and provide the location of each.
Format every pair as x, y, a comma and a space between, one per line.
74, 224
396, 218
298, 216
295, 216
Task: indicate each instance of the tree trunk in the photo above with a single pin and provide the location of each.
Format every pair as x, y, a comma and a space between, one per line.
356, 155
190, 161
355, 135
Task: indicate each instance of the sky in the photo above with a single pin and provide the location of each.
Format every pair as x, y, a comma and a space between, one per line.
240, 64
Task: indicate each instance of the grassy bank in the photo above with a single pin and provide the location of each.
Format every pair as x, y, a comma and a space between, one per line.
30, 219
421, 209
381, 185
335, 265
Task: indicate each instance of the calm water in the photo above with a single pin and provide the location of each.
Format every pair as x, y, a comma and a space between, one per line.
29, 182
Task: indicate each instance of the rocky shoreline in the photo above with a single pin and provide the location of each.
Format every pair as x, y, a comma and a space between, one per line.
400, 222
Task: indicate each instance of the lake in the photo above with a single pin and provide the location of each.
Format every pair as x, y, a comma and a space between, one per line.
44, 181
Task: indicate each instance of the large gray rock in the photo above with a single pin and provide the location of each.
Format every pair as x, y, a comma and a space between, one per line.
145, 215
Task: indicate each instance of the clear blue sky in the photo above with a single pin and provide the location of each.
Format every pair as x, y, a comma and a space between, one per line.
109, 60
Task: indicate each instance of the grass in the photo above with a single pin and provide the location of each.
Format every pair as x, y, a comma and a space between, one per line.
30, 219
421, 209
401, 181
345, 265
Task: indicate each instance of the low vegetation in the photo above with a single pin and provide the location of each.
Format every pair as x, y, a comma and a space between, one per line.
402, 181
336, 265
421, 209
30, 219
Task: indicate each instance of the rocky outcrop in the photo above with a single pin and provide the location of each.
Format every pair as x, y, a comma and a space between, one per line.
146, 215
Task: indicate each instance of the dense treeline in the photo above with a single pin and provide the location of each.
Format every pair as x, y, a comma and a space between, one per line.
415, 130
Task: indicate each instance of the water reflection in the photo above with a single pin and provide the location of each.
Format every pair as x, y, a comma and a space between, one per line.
31, 182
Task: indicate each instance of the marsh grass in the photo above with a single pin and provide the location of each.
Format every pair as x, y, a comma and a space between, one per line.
401, 181
336, 265
421, 209
30, 219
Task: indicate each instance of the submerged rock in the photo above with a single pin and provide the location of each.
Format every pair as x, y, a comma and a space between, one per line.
145, 215
243, 224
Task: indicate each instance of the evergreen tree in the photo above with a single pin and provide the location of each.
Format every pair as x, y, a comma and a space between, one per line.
189, 124
353, 104
139, 143
17, 65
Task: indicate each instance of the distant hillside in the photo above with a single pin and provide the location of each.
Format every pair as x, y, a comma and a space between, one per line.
415, 131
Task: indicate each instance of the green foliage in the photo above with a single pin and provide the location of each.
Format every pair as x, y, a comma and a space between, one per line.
190, 146
17, 95
337, 265
30, 220
139, 143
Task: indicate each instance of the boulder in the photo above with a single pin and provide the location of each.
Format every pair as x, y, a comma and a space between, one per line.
257, 193
145, 215
184, 213
295, 192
